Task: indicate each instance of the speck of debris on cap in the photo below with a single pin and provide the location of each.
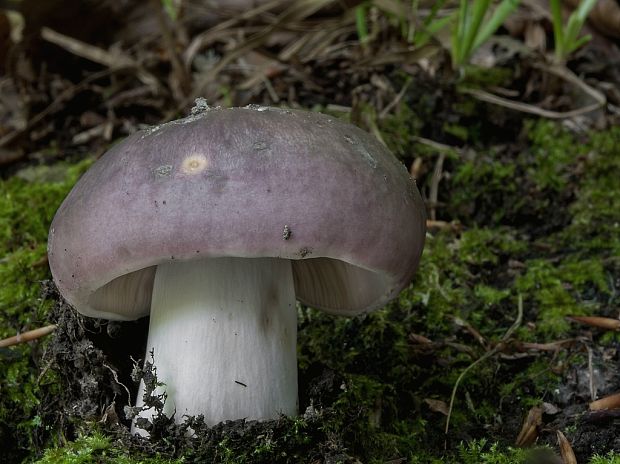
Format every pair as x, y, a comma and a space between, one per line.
286, 232
200, 106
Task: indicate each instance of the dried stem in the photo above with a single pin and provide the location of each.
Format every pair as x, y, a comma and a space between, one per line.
27, 336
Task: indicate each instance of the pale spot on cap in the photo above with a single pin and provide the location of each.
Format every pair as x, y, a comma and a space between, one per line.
194, 164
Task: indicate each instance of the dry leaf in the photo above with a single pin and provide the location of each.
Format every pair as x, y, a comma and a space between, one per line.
529, 430
437, 406
566, 450
609, 402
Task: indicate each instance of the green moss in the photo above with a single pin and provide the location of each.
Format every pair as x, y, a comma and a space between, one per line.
538, 379
554, 151
479, 452
610, 458
554, 291
474, 76
596, 209
26, 211
96, 448
486, 246
490, 295
495, 187
486, 184
28, 202
461, 133
398, 128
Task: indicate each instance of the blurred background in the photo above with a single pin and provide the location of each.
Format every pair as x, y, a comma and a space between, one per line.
80, 73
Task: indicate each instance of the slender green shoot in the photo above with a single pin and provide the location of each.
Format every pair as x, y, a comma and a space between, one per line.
566, 36
417, 31
361, 24
171, 9
431, 25
475, 24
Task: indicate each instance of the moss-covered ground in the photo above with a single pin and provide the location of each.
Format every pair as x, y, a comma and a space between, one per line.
534, 217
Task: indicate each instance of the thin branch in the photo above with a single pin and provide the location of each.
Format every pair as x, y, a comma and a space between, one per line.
115, 375
113, 60
563, 73
591, 374
436, 145
608, 402
56, 105
396, 99
27, 336
484, 357
435, 179
527, 108
182, 75
84, 50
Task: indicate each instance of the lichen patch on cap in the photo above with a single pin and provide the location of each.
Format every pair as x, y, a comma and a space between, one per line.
361, 149
163, 171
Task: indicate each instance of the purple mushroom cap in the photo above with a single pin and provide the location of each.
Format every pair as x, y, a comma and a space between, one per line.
241, 182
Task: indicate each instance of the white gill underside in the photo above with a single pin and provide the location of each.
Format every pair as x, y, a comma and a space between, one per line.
224, 335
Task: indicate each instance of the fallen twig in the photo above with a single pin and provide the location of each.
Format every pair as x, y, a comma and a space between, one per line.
591, 374
56, 105
113, 60
118, 382
205, 38
526, 107
607, 323
434, 190
27, 336
436, 145
609, 402
396, 99
600, 415
454, 226
182, 75
551, 346
296, 11
485, 356
90, 52
559, 71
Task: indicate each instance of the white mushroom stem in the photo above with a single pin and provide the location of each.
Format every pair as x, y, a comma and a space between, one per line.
224, 336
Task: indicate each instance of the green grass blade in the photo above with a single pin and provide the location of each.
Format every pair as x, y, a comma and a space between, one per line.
431, 18
423, 35
459, 33
582, 12
411, 21
579, 42
503, 10
438, 24
570, 31
567, 37
360, 23
558, 27
479, 11
171, 9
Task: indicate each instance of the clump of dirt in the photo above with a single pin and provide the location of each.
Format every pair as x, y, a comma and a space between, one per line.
91, 360
97, 368
302, 439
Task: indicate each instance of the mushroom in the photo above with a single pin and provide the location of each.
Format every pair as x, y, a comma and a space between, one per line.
215, 224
